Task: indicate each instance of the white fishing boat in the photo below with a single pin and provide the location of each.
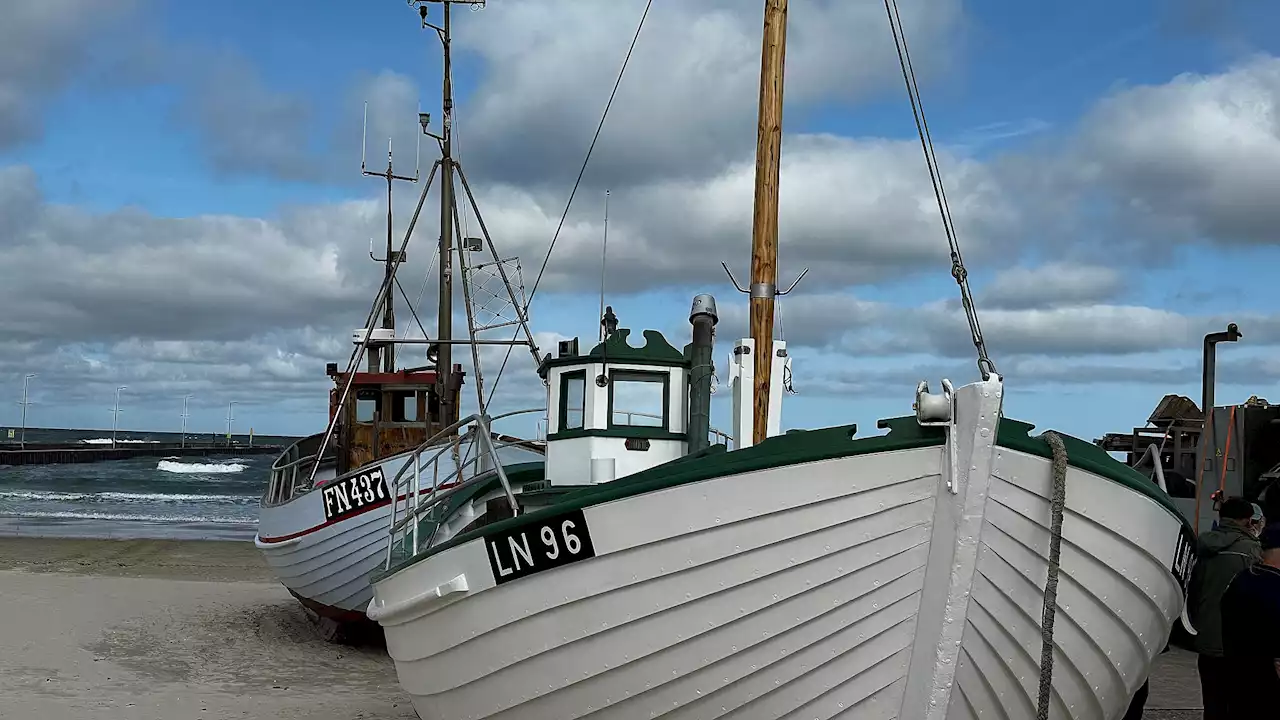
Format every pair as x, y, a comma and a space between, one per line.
322, 518
955, 566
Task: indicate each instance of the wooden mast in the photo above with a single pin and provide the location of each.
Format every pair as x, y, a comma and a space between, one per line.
764, 230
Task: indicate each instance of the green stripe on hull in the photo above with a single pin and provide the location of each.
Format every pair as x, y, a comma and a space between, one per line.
792, 448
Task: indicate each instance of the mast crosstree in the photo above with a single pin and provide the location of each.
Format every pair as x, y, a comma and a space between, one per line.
501, 302
439, 349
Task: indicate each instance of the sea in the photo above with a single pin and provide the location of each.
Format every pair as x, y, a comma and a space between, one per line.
211, 497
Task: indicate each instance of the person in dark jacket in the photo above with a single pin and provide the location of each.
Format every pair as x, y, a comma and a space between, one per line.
1221, 553
1251, 633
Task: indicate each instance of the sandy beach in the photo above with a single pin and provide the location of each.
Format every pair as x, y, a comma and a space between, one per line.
169, 629
156, 629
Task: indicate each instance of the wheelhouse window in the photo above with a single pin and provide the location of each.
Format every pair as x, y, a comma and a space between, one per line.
638, 399
405, 406
366, 405
573, 398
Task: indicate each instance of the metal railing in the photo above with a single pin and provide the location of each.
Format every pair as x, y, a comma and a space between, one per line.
283, 484
406, 525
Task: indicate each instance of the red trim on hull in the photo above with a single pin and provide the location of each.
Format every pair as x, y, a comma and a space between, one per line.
327, 523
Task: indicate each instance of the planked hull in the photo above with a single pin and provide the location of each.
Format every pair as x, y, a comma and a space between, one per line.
848, 587
327, 562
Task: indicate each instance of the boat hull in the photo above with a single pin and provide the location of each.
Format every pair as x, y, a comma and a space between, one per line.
853, 587
326, 562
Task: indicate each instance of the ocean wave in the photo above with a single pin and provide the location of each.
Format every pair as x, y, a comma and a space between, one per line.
55, 496
75, 515
207, 468
108, 441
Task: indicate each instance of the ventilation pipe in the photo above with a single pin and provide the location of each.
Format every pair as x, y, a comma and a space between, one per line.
1210, 367
703, 318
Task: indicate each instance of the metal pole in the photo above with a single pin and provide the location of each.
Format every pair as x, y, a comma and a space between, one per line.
444, 323
22, 438
185, 415
115, 416
230, 417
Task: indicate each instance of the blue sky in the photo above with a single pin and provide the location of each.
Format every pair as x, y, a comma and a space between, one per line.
1012, 93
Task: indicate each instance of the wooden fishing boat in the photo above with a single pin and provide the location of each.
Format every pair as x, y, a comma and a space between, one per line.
954, 566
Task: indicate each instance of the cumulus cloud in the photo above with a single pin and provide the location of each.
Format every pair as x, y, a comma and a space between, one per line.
1055, 283
1189, 160
42, 46
222, 304
686, 107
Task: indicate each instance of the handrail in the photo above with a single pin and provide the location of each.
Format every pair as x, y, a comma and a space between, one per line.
1154, 454
480, 440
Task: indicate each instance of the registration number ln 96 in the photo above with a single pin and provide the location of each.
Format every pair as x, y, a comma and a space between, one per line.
548, 543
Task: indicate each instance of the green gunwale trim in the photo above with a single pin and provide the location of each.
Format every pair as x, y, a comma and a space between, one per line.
619, 431
792, 448
1016, 435
804, 446
616, 349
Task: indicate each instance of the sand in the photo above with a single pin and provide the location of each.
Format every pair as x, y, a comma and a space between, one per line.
146, 629
164, 629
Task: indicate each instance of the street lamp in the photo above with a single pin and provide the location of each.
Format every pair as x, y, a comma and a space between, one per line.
230, 418
115, 416
22, 439
185, 399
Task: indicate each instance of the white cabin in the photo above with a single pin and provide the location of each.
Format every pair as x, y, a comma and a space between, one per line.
616, 410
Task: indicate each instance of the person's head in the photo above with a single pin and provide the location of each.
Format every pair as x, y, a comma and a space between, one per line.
1258, 521
1236, 511
1270, 539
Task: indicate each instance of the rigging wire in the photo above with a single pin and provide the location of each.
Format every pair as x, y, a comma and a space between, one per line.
958, 271
581, 171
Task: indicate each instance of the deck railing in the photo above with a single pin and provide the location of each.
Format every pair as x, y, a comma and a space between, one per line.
474, 431
419, 498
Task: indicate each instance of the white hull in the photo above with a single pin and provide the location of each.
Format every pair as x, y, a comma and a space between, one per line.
851, 587
327, 564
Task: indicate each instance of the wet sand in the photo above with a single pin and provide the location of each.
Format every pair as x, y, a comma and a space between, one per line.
152, 630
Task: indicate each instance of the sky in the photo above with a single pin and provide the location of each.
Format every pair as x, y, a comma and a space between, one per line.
182, 209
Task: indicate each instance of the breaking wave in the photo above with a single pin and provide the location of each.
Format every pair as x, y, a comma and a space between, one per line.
206, 468
126, 497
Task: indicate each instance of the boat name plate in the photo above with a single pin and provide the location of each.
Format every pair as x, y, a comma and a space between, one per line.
548, 543
353, 495
1184, 558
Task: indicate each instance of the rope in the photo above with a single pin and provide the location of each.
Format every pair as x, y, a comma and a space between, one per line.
547, 258
1056, 505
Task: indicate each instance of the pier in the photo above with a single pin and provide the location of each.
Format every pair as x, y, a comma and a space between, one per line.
64, 453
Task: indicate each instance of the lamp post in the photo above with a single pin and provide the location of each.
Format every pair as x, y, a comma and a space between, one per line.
22, 438
115, 416
230, 418
185, 400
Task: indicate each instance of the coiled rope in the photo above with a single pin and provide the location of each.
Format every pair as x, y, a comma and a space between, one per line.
1057, 504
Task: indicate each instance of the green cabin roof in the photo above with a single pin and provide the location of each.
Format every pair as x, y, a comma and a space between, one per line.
615, 348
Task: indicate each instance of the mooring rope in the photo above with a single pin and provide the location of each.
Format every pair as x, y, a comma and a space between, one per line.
1056, 506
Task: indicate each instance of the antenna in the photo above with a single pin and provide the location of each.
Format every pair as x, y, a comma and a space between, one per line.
387, 354
604, 250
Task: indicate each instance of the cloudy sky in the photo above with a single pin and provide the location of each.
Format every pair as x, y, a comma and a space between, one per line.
181, 207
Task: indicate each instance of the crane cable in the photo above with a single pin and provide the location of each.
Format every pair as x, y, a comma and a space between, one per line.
958, 271
581, 171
